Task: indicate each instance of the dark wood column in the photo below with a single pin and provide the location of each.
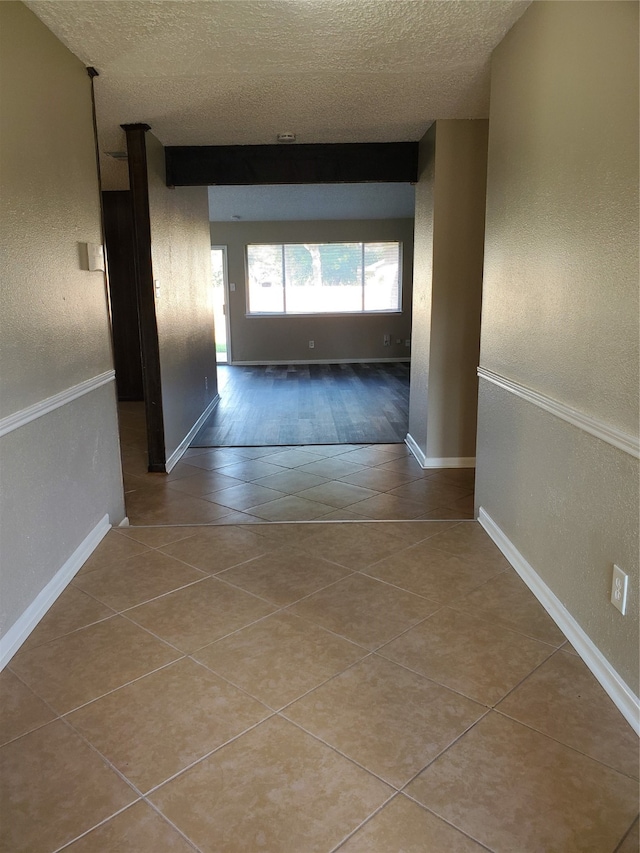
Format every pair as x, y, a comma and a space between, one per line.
139, 187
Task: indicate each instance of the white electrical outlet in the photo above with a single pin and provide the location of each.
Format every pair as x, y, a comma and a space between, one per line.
312, 344
206, 383
386, 340
619, 585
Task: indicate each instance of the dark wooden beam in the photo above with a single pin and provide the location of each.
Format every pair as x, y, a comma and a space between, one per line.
206, 165
139, 187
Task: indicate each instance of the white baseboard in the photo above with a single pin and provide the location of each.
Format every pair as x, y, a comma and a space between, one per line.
180, 450
321, 361
412, 444
438, 461
20, 630
620, 693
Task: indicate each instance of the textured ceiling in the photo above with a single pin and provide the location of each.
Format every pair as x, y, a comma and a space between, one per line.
312, 201
226, 72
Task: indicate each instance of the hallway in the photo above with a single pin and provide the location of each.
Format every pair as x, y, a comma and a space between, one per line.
367, 688
334, 482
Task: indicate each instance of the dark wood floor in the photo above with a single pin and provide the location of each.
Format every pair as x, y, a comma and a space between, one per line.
309, 404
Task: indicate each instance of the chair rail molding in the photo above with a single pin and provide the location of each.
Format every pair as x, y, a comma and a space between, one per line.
43, 407
594, 426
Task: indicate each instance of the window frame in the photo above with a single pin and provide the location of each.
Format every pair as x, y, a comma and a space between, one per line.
361, 313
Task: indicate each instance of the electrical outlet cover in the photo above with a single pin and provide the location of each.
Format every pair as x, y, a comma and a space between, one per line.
619, 584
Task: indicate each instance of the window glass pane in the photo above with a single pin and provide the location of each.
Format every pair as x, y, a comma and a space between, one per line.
323, 278
264, 268
381, 277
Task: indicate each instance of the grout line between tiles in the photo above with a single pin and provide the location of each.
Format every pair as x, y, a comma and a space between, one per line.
364, 822
563, 743
204, 757
628, 832
68, 844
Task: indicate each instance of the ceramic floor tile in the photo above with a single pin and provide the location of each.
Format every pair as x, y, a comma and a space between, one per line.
199, 614
337, 494
391, 721
405, 465
631, 842
156, 537
284, 576
21, 710
214, 549
412, 532
204, 484
506, 600
467, 654
430, 494
431, 572
139, 829
512, 789
157, 726
280, 658
137, 579
328, 450
251, 469
216, 458
53, 787
448, 512
331, 468
148, 507
81, 666
387, 506
293, 458
284, 534
364, 610
113, 549
463, 477
403, 825
181, 470
291, 482
273, 789
373, 454
470, 540
343, 515
562, 699
246, 495
72, 610
376, 479
355, 546
291, 508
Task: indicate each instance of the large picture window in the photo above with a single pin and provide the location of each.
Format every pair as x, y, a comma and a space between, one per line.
324, 278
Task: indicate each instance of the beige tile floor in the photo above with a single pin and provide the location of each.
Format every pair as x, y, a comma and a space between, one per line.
234, 485
292, 688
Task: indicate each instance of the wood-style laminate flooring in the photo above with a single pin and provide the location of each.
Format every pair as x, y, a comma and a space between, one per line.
306, 404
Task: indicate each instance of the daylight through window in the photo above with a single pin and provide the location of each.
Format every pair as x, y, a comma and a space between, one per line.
324, 278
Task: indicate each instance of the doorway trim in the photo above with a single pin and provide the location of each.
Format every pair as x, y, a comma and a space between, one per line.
225, 288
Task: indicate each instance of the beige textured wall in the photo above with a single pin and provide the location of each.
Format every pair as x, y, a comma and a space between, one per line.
422, 280
50, 204
560, 310
458, 247
59, 474
287, 338
181, 257
450, 203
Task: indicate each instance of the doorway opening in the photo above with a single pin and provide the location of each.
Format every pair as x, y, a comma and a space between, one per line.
220, 303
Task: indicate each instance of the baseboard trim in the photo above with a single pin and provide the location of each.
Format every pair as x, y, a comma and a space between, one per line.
594, 426
24, 625
181, 449
412, 444
43, 407
438, 461
620, 693
321, 361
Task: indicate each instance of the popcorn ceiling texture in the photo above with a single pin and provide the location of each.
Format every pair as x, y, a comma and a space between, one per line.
227, 72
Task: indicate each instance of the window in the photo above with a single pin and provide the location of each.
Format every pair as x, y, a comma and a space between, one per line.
324, 278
